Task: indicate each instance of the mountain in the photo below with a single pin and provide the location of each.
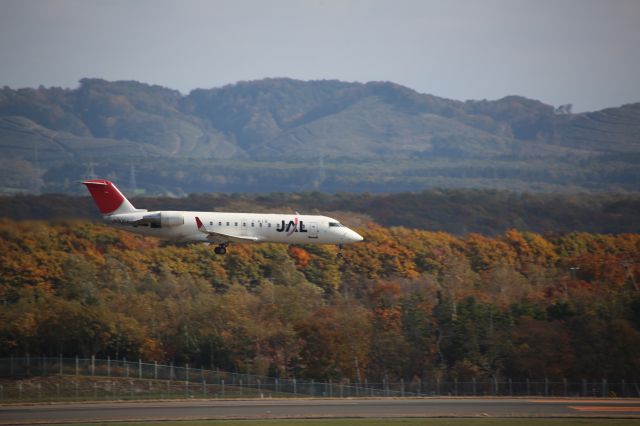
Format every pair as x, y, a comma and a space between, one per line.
279, 134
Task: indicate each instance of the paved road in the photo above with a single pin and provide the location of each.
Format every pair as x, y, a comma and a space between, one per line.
253, 409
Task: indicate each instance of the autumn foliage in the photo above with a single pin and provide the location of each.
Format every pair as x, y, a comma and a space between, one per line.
403, 304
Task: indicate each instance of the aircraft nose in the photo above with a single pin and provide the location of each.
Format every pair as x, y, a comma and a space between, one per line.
352, 237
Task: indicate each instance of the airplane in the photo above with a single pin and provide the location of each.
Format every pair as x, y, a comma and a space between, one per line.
220, 229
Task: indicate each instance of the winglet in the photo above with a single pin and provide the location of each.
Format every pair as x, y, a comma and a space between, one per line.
200, 225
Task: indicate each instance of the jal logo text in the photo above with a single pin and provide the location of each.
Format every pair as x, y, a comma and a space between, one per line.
291, 227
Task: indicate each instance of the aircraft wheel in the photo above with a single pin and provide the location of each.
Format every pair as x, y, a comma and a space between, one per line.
220, 250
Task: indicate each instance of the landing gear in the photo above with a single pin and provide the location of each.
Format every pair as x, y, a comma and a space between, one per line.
221, 249
339, 255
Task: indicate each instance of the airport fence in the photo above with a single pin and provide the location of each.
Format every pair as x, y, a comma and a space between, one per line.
76, 379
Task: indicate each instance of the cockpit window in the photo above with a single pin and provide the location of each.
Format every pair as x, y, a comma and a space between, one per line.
334, 224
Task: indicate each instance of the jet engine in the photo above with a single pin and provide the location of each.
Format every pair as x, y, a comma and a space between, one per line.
163, 219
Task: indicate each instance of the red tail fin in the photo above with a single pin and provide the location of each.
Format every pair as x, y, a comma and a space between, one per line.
107, 197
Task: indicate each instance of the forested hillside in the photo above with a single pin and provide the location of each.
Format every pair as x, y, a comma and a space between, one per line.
283, 134
403, 304
455, 211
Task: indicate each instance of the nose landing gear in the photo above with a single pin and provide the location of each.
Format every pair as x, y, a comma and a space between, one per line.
220, 249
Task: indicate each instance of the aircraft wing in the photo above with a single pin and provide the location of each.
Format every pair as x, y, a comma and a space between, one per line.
222, 237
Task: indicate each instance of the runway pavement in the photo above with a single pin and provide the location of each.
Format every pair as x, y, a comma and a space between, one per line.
318, 408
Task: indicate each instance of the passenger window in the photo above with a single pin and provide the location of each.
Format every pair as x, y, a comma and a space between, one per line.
269, 224
260, 224
227, 223
219, 223
211, 223
236, 223
253, 224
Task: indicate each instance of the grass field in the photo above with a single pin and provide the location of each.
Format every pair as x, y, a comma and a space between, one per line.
385, 422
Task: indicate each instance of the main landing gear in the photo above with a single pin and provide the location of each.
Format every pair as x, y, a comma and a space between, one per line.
221, 249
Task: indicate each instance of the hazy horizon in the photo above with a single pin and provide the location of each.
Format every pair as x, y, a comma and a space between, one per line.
583, 52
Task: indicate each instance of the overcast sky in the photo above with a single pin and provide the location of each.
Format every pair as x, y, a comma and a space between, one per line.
583, 52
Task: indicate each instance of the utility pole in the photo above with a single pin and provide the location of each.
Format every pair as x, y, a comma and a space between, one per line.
132, 178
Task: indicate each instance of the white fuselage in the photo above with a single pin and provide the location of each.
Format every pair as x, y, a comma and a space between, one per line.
241, 227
